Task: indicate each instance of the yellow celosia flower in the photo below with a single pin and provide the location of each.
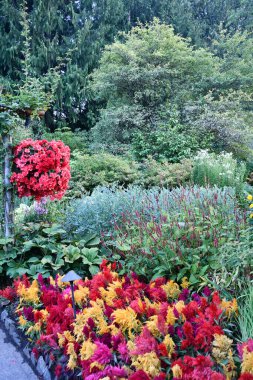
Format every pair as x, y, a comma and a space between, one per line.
61, 339
170, 318
230, 307
127, 320
152, 325
153, 305
96, 312
177, 371
131, 345
221, 347
98, 365
22, 320
72, 356
179, 306
169, 343
87, 350
81, 294
30, 294
35, 328
247, 361
251, 205
45, 314
149, 363
249, 197
185, 283
171, 289
69, 336
109, 294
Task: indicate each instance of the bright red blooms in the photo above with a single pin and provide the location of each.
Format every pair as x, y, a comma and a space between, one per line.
153, 335
41, 169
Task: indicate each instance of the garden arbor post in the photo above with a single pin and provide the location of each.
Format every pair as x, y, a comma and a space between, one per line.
8, 201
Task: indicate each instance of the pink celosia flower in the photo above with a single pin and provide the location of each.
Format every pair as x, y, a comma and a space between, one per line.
102, 354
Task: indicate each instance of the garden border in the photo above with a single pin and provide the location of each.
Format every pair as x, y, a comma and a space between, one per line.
39, 366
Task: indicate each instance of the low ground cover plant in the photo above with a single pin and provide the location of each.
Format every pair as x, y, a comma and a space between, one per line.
128, 329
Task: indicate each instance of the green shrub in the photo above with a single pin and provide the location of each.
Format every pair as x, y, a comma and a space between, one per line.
164, 174
221, 170
89, 171
170, 143
76, 140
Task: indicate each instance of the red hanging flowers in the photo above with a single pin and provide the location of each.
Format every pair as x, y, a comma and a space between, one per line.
41, 169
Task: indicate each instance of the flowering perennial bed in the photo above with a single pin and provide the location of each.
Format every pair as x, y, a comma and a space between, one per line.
127, 329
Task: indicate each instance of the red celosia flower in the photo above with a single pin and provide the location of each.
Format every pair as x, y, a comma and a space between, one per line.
9, 293
41, 169
246, 376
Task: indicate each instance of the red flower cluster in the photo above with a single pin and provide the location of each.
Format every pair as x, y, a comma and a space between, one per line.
127, 329
41, 169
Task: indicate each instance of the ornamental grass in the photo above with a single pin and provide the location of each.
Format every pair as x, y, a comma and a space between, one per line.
128, 329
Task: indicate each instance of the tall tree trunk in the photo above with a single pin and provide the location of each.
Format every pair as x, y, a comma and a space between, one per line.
8, 200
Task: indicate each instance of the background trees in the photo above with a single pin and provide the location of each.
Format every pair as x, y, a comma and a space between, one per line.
81, 29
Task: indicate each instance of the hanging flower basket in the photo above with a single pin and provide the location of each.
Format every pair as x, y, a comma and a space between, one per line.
41, 169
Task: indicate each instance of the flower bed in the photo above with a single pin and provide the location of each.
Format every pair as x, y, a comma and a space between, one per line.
127, 329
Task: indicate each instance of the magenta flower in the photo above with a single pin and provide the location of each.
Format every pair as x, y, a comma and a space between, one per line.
102, 354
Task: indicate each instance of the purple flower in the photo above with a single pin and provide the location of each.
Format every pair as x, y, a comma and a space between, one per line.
28, 313
206, 291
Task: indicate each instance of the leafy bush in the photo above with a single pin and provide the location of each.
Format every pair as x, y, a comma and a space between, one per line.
165, 174
89, 171
41, 248
128, 329
76, 140
170, 143
221, 170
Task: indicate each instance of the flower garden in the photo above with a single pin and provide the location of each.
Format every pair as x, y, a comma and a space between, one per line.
126, 237
128, 329
166, 276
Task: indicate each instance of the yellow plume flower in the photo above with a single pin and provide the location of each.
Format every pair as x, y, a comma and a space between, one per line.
87, 350
177, 371
22, 320
169, 343
171, 318
30, 294
221, 347
152, 325
149, 363
247, 362
81, 294
171, 289
126, 319
185, 283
